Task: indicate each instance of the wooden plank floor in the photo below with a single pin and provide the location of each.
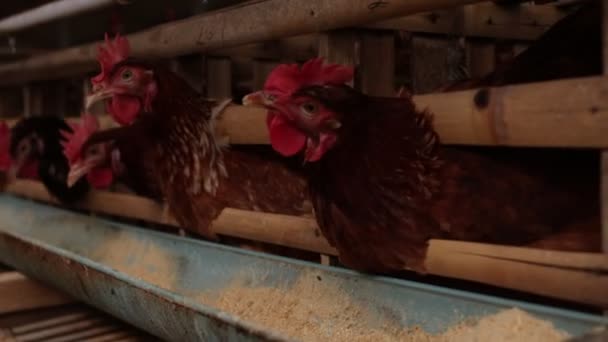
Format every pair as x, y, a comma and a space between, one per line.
66, 322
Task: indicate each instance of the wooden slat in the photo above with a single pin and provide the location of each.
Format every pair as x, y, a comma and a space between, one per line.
17, 293
48, 333
525, 22
219, 77
604, 154
339, 46
377, 63
251, 22
481, 58
545, 114
48, 323
549, 114
548, 273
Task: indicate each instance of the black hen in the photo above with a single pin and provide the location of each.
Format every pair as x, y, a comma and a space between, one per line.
38, 140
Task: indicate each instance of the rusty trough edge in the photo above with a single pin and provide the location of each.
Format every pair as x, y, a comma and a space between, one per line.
102, 287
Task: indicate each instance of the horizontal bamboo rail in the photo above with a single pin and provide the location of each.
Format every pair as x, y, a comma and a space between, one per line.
578, 277
253, 21
562, 113
545, 114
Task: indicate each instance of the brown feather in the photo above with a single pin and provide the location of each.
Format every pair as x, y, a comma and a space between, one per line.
198, 176
388, 186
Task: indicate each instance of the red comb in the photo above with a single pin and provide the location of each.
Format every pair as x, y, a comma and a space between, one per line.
5, 140
74, 141
288, 78
110, 54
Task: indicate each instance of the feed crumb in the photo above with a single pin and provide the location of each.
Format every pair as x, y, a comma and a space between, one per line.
512, 325
314, 310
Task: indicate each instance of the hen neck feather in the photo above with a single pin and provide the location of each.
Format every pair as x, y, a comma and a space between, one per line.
188, 134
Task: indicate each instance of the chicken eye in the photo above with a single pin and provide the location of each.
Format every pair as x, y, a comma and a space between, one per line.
270, 97
308, 108
126, 75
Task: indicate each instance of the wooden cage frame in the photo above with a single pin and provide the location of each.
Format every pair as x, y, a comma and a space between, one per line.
512, 117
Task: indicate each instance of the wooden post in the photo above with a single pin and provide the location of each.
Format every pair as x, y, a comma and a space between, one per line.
11, 102
261, 69
604, 155
338, 46
377, 63
373, 55
18, 293
480, 57
371, 52
219, 77
32, 100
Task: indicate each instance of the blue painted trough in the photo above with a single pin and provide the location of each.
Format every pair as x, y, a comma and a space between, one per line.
158, 282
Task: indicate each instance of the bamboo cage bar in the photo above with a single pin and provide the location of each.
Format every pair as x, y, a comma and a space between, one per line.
253, 21
553, 272
505, 116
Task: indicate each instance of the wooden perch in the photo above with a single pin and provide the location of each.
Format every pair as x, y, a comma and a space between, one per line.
251, 22
578, 277
18, 293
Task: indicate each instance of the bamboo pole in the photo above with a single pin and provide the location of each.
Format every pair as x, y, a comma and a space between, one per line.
507, 116
578, 277
253, 21
550, 114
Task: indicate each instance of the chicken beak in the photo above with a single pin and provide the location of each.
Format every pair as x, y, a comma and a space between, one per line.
257, 98
77, 171
95, 97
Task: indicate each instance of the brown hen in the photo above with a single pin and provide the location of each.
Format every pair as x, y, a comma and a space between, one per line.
197, 174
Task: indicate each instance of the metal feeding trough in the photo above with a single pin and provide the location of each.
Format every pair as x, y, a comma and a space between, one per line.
157, 281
